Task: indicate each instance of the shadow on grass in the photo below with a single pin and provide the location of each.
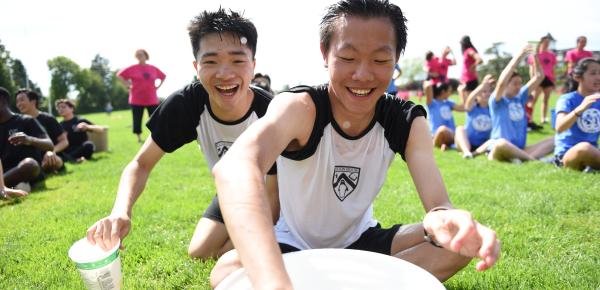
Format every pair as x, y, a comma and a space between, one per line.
11, 202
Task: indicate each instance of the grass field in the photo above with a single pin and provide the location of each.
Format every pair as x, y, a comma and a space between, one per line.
548, 219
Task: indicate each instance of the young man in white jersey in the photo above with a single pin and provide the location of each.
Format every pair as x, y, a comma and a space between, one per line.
213, 111
338, 141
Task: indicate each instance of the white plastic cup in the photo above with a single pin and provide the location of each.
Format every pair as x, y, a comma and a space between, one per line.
99, 269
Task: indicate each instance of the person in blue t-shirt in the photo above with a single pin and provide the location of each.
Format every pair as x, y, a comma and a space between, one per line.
578, 119
478, 126
392, 89
509, 125
441, 120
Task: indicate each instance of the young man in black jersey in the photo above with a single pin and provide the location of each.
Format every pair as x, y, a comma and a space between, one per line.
213, 111
79, 147
338, 141
28, 103
22, 140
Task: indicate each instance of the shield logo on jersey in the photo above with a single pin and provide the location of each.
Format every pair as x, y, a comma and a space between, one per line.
345, 180
222, 147
589, 122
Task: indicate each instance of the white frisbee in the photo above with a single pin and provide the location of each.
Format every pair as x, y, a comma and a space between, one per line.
344, 269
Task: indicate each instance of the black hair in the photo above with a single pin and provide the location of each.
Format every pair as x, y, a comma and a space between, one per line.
465, 43
579, 70
259, 75
67, 102
580, 38
364, 9
222, 22
514, 74
4, 95
31, 95
428, 55
439, 88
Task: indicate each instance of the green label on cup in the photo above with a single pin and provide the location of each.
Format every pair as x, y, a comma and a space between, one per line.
98, 264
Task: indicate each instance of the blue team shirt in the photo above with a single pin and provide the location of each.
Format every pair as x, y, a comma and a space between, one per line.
440, 113
478, 125
508, 118
392, 87
586, 129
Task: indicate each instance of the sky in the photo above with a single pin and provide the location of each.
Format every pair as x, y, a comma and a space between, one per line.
35, 31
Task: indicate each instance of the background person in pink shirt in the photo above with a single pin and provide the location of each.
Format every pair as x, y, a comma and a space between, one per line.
548, 62
141, 80
572, 57
444, 62
432, 68
471, 59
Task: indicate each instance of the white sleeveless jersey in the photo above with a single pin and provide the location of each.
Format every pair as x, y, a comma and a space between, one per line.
186, 116
327, 188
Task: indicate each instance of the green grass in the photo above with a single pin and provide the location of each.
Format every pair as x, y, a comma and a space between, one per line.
548, 219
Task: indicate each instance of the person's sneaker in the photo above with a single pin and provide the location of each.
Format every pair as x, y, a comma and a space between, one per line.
589, 169
24, 186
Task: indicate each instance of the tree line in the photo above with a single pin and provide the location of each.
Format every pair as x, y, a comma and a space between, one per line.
92, 88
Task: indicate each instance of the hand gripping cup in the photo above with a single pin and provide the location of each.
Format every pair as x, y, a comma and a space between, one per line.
99, 269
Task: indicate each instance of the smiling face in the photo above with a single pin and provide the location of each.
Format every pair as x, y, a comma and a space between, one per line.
225, 67
24, 105
589, 82
360, 58
514, 85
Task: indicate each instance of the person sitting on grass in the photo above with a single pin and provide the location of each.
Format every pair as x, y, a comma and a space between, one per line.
27, 103
80, 148
509, 125
7, 192
214, 112
578, 119
441, 119
337, 142
478, 126
22, 140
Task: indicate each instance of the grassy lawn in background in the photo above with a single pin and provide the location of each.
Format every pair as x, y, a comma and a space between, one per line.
548, 219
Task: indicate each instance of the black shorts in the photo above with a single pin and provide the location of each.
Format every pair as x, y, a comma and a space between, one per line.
546, 83
213, 211
374, 239
471, 85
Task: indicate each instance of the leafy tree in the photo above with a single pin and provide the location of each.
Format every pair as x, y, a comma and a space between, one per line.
92, 91
498, 61
19, 74
6, 79
413, 73
117, 92
63, 71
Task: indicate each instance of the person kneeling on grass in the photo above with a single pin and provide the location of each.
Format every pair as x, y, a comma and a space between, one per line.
578, 119
441, 119
28, 102
337, 142
478, 126
80, 148
509, 125
214, 112
22, 141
